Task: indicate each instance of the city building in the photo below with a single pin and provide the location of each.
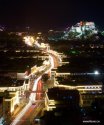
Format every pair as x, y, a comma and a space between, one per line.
78, 30
62, 107
7, 83
87, 87
9, 102
58, 97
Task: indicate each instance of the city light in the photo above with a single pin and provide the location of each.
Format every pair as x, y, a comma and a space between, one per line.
96, 72
84, 79
29, 40
31, 99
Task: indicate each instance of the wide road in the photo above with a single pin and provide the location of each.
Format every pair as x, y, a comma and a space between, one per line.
55, 58
29, 104
24, 117
31, 113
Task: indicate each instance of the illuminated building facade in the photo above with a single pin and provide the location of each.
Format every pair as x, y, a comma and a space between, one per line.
88, 90
20, 85
10, 100
62, 107
58, 97
81, 28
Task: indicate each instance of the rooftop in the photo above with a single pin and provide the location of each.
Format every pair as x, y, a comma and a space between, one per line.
58, 93
75, 80
8, 82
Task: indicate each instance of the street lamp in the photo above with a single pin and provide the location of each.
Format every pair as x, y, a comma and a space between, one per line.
96, 72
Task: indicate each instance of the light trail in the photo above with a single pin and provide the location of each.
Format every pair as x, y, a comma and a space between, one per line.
24, 110
56, 54
20, 115
32, 95
51, 62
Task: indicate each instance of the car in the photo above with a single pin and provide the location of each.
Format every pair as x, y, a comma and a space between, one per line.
37, 120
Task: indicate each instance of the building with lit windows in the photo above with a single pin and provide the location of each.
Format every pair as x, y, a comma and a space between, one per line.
58, 97
86, 99
11, 91
62, 107
82, 28
9, 84
10, 100
87, 87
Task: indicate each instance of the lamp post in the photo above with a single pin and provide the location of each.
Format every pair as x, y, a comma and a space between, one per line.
96, 72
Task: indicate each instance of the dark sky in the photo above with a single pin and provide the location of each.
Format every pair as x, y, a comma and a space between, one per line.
50, 14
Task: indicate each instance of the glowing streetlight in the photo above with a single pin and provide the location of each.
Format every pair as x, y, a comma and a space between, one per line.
96, 72
29, 40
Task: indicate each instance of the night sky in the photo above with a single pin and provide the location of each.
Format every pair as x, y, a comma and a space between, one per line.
50, 14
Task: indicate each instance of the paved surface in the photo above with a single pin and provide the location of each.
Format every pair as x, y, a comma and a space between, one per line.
34, 110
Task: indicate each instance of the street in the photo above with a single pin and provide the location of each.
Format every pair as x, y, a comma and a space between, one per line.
29, 112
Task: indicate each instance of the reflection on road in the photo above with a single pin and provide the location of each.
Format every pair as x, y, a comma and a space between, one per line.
25, 109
